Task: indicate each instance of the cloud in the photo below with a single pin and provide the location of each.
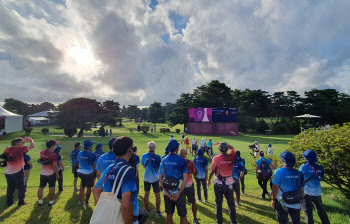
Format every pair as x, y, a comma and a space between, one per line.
137, 52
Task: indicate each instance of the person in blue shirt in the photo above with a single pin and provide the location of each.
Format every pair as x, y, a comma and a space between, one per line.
87, 165
242, 162
75, 163
27, 168
151, 161
106, 159
210, 148
136, 164
237, 173
166, 151
123, 149
201, 165
60, 167
98, 152
286, 179
263, 173
174, 166
312, 173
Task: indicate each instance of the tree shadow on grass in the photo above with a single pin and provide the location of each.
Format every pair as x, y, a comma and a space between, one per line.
343, 209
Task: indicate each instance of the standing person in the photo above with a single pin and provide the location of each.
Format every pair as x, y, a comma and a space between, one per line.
151, 128
203, 144
201, 165
123, 149
312, 174
171, 138
87, 165
269, 151
194, 146
242, 162
222, 166
98, 152
286, 179
187, 144
166, 152
210, 151
257, 149
110, 132
182, 138
263, 173
237, 173
189, 188
60, 167
106, 159
136, 164
173, 167
14, 170
49, 171
28, 166
151, 161
106, 132
75, 163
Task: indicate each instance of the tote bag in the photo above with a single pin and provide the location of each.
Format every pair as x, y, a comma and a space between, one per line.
108, 209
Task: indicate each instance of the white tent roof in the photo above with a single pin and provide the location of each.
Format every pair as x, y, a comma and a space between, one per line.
307, 116
38, 119
7, 113
43, 113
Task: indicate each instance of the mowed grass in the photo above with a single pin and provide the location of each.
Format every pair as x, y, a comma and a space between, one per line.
252, 209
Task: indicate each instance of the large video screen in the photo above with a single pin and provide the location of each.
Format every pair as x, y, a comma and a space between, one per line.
217, 115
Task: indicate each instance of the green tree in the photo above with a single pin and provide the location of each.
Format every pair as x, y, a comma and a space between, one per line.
16, 106
213, 94
180, 114
144, 114
113, 108
155, 113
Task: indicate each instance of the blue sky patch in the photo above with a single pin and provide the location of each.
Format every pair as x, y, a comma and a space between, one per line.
165, 38
180, 22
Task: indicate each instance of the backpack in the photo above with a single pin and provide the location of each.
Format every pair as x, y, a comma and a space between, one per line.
264, 169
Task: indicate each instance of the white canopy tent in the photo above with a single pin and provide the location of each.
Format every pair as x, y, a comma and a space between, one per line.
10, 122
307, 116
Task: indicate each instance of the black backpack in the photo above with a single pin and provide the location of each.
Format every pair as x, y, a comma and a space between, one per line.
264, 169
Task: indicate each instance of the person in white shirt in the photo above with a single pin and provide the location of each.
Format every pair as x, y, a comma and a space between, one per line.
269, 151
257, 149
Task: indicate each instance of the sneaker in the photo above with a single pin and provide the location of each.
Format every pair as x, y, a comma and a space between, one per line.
60, 190
199, 201
51, 204
242, 193
195, 221
263, 198
159, 214
80, 203
86, 204
237, 204
206, 201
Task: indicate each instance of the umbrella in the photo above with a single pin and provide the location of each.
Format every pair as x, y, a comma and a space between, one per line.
307, 116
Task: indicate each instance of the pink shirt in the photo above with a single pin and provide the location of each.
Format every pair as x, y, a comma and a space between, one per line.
223, 165
191, 169
46, 154
18, 161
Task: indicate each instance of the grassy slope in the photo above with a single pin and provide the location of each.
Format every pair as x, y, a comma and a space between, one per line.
252, 209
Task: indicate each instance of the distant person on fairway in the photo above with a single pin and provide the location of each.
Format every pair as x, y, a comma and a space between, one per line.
75, 163
312, 174
123, 149
263, 173
151, 161
222, 166
189, 188
106, 159
201, 165
98, 152
286, 180
269, 151
210, 151
87, 165
257, 149
14, 170
49, 171
194, 146
187, 144
60, 167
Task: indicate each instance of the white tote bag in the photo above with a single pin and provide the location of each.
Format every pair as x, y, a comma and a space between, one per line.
108, 209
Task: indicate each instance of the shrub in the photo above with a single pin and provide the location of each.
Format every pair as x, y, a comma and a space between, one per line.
95, 133
70, 131
262, 126
177, 130
144, 129
45, 131
333, 152
131, 130
28, 130
102, 132
247, 122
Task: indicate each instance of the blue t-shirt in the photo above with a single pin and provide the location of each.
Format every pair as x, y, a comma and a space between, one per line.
313, 186
151, 171
74, 157
26, 160
86, 162
200, 163
98, 153
175, 167
163, 156
210, 144
128, 184
287, 180
136, 159
258, 162
105, 161
59, 159
236, 170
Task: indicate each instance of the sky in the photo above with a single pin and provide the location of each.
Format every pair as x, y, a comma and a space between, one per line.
141, 51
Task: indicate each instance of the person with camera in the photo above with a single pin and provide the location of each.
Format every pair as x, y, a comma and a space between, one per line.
123, 149
75, 163
173, 175
201, 165
312, 173
151, 161
14, 169
106, 159
49, 171
287, 190
263, 173
221, 166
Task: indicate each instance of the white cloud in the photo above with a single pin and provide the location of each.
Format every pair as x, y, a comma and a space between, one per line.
270, 44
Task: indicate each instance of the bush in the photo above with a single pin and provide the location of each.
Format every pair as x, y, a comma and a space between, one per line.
45, 131
70, 132
102, 132
95, 133
333, 152
262, 126
28, 130
144, 129
247, 122
177, 130
131, 130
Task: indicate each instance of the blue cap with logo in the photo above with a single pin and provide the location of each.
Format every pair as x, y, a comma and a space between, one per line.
88, 143
310, 155
172, 145
288, 158
99, 146
269, 145
111, 141
200, 152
